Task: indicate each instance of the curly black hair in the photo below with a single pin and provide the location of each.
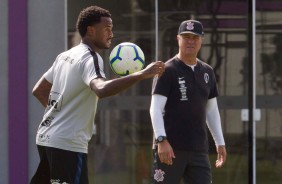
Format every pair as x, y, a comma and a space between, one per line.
90, 16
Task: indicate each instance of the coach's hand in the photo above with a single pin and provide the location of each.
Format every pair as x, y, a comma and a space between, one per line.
221, 156
165, 152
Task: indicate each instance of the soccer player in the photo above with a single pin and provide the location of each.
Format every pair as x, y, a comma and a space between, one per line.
70, 90
183, 104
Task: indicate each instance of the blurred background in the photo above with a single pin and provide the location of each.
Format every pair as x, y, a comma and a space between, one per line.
34, 32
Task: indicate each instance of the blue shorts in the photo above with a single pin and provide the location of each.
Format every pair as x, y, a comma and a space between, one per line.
192, 167
60, 166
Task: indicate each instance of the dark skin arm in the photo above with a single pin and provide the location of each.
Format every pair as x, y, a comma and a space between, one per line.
104, 88
100, 86
41, 91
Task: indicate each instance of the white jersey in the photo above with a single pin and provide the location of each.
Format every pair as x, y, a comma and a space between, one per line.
69, 117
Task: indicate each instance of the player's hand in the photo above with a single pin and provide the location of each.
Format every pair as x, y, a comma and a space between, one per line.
221, 156
154, 68
165, 152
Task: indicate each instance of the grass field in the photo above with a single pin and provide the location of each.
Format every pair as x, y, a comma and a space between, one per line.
236, 171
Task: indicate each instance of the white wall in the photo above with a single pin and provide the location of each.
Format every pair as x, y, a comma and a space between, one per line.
47, 37
3, 91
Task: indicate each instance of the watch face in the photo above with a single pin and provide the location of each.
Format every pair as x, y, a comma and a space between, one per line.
160, 139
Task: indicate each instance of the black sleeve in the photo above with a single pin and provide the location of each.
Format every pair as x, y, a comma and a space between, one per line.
162, 84
213, 90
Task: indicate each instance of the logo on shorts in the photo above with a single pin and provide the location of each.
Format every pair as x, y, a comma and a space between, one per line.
159, 175
57, 182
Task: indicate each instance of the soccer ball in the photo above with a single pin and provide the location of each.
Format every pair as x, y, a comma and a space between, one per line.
126, 58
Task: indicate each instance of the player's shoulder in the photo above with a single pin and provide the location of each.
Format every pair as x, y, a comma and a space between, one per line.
76, 50
171, 62
82, 52
204, 65
82, 49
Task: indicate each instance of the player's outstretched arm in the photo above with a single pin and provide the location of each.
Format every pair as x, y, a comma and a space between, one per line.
104, 88
41, 91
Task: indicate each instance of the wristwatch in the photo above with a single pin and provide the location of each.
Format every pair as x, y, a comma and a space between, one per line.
160, 139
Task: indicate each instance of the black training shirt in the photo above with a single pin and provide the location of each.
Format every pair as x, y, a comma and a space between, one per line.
187, 93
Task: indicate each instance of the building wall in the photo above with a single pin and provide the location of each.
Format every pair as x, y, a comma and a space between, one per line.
47, 37
3, 91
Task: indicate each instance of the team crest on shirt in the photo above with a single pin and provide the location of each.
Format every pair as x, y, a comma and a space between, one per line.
159, 175
206, 77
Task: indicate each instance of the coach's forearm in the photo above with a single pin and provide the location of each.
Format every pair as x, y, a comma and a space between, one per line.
214, 122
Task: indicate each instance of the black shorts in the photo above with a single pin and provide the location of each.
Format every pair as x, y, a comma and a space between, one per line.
192, 167
60, 166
